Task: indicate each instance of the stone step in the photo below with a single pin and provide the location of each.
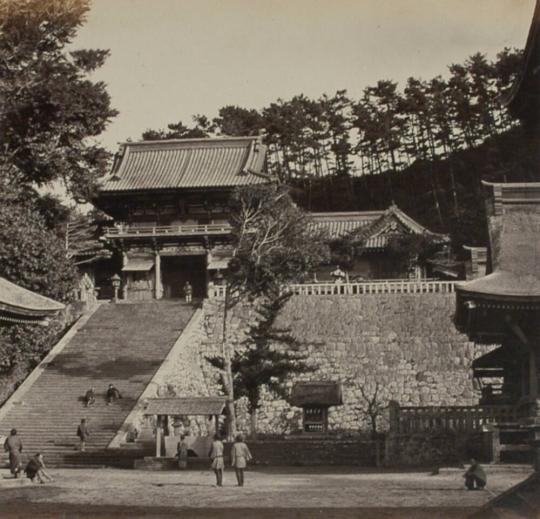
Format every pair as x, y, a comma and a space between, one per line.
124, 344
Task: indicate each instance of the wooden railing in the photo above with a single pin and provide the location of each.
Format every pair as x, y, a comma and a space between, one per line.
379, 286
167, 230
405, 420
383, 286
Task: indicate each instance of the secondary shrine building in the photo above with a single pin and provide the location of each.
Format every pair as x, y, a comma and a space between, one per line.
169, 201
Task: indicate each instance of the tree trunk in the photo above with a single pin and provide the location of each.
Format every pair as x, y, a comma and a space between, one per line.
228, 375
253, 424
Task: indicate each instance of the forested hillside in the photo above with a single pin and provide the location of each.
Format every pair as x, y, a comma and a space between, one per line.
425, 145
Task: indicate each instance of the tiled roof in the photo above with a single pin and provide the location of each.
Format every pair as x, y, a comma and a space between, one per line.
375, 227
514, 225
316, 393
20, 302
340, 224
188, 163
185, 406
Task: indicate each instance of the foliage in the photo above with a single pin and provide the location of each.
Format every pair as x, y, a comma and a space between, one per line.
34, 257
272, 240
372, 407
407, 144
407, 250
263, 364
50, 110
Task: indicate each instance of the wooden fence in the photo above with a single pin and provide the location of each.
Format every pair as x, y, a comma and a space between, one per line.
406, 420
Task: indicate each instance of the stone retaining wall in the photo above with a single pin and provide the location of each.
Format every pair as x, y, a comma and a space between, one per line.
405, 343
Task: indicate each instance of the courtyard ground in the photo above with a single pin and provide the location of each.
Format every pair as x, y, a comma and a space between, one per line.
297, 493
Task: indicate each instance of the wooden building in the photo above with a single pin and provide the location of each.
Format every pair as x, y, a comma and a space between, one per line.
504, 306
169, 200
169, 204
373, 231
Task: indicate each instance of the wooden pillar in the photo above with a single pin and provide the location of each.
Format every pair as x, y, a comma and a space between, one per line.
124, 277
158, 286
158, 437
533, 377
216, 422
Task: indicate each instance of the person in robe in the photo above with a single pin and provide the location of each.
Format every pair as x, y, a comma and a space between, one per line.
13, 446
83, 432
112, 394
182, 452
35, 468
216, 455
240, 456
90, 397
475, 477
188, 291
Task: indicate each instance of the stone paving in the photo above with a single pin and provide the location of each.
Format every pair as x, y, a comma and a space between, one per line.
271, 492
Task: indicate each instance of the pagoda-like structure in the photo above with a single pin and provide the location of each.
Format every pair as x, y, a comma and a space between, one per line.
503, 307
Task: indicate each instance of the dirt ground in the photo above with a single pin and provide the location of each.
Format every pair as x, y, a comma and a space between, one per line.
269, 493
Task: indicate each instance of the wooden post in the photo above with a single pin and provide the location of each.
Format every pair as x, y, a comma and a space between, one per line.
158, 286
393, 409
158, 437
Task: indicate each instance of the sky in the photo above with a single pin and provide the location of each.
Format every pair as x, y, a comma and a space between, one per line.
171, 59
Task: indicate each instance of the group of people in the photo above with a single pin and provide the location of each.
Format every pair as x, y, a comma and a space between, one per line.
111, 395
35, 469
83, 431
240, 455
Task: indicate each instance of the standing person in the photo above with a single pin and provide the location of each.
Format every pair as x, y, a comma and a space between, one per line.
13, 445
182, 452
216, 455
188, 291
83, 433
35, 468
240, 455
475, 477
112, 394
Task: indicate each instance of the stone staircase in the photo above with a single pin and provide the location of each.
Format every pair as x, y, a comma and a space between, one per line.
124, 344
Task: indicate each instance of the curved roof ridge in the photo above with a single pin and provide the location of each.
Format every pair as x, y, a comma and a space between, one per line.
19, 300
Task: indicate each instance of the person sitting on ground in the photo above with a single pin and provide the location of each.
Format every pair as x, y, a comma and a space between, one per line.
83, 433
90, 397
475, 477
35, 468
240, 455
13, 446
112, 394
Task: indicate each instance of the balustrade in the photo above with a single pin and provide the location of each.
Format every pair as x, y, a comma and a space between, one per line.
168, 230
407, 420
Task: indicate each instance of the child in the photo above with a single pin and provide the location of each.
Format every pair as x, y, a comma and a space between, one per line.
240, 455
